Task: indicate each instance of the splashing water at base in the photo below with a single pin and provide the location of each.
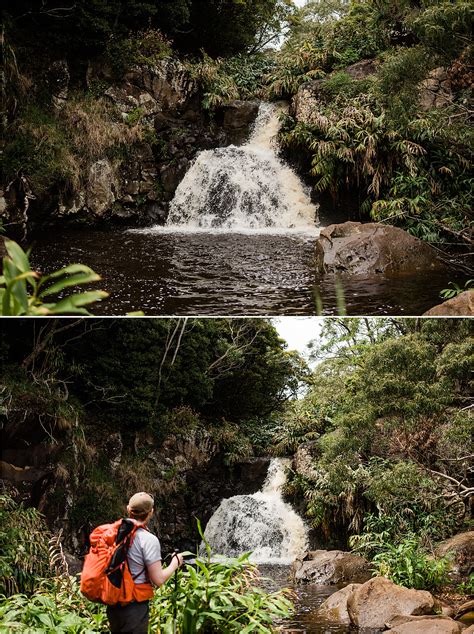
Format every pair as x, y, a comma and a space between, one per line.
262, 523
243, 188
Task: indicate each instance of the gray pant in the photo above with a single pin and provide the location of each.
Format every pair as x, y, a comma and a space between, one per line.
132, 618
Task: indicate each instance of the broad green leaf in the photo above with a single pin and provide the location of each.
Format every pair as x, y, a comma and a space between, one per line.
74, 280
18, 256
72, 303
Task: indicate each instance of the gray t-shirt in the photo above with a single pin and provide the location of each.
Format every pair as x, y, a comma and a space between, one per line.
144, 551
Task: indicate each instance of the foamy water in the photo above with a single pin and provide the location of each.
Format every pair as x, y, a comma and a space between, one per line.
261, 523
245, 189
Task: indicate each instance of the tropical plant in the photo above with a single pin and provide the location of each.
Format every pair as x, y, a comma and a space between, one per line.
24, 547
296, 65
409, 564
24, 291
455, 290
56, 606
220, 597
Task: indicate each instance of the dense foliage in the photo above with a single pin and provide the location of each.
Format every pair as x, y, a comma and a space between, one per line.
372, 132
385, 428
222, 597
83, 28
24, 547
219, 597
214, 383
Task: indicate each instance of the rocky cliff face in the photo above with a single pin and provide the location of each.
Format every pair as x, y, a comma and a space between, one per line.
135, 184
79, 484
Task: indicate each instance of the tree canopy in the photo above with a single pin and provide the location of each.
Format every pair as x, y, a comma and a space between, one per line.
83, 27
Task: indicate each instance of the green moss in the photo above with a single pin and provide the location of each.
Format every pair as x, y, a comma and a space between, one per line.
39, 148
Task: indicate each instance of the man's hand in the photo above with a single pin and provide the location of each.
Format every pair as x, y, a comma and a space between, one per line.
179, 557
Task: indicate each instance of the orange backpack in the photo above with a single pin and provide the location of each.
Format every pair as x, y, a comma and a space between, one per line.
106, 577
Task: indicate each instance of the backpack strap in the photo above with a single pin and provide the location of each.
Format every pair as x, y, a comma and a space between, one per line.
132, 537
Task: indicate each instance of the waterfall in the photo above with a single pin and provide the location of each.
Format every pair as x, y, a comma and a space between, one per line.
262, 523
244, 188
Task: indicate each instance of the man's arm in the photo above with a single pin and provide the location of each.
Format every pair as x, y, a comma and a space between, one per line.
159, 575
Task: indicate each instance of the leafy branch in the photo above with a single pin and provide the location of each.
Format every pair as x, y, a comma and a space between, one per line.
24, 291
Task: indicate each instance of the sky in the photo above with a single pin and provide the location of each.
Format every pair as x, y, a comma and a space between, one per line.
298, 331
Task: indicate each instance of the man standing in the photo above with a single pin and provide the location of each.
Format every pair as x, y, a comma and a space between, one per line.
144, 562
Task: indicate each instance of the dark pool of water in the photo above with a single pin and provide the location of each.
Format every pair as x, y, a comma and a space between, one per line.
308, 599
225, 274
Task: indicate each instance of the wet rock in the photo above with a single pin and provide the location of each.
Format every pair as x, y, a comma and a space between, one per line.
424, 625
155, 212
172, 174
304, 461
465, 613
240, 114
461, 305
371, 248
331, 567
72, 205
335, 607
379, 600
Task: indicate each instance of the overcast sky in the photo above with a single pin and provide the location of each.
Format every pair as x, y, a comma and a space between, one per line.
298, 331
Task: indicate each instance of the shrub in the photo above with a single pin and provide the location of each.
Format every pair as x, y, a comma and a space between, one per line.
296, 64
409, 564
18, 278
55, 151
24, 547
218, 87
220, 597
145, 47
57, 606
39, 148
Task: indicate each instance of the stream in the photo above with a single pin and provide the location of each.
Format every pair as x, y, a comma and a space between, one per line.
203, 273
276, 535
309, 597
239, 240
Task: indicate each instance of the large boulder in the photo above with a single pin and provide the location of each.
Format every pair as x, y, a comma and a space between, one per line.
379, 600
461, 549
240, 114
424, 625
461, 305
363, 69
331, 567
372, 248
465, 613
335, 607
168, 82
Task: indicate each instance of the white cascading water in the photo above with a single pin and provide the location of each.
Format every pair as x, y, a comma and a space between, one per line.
244, 188
262, 523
